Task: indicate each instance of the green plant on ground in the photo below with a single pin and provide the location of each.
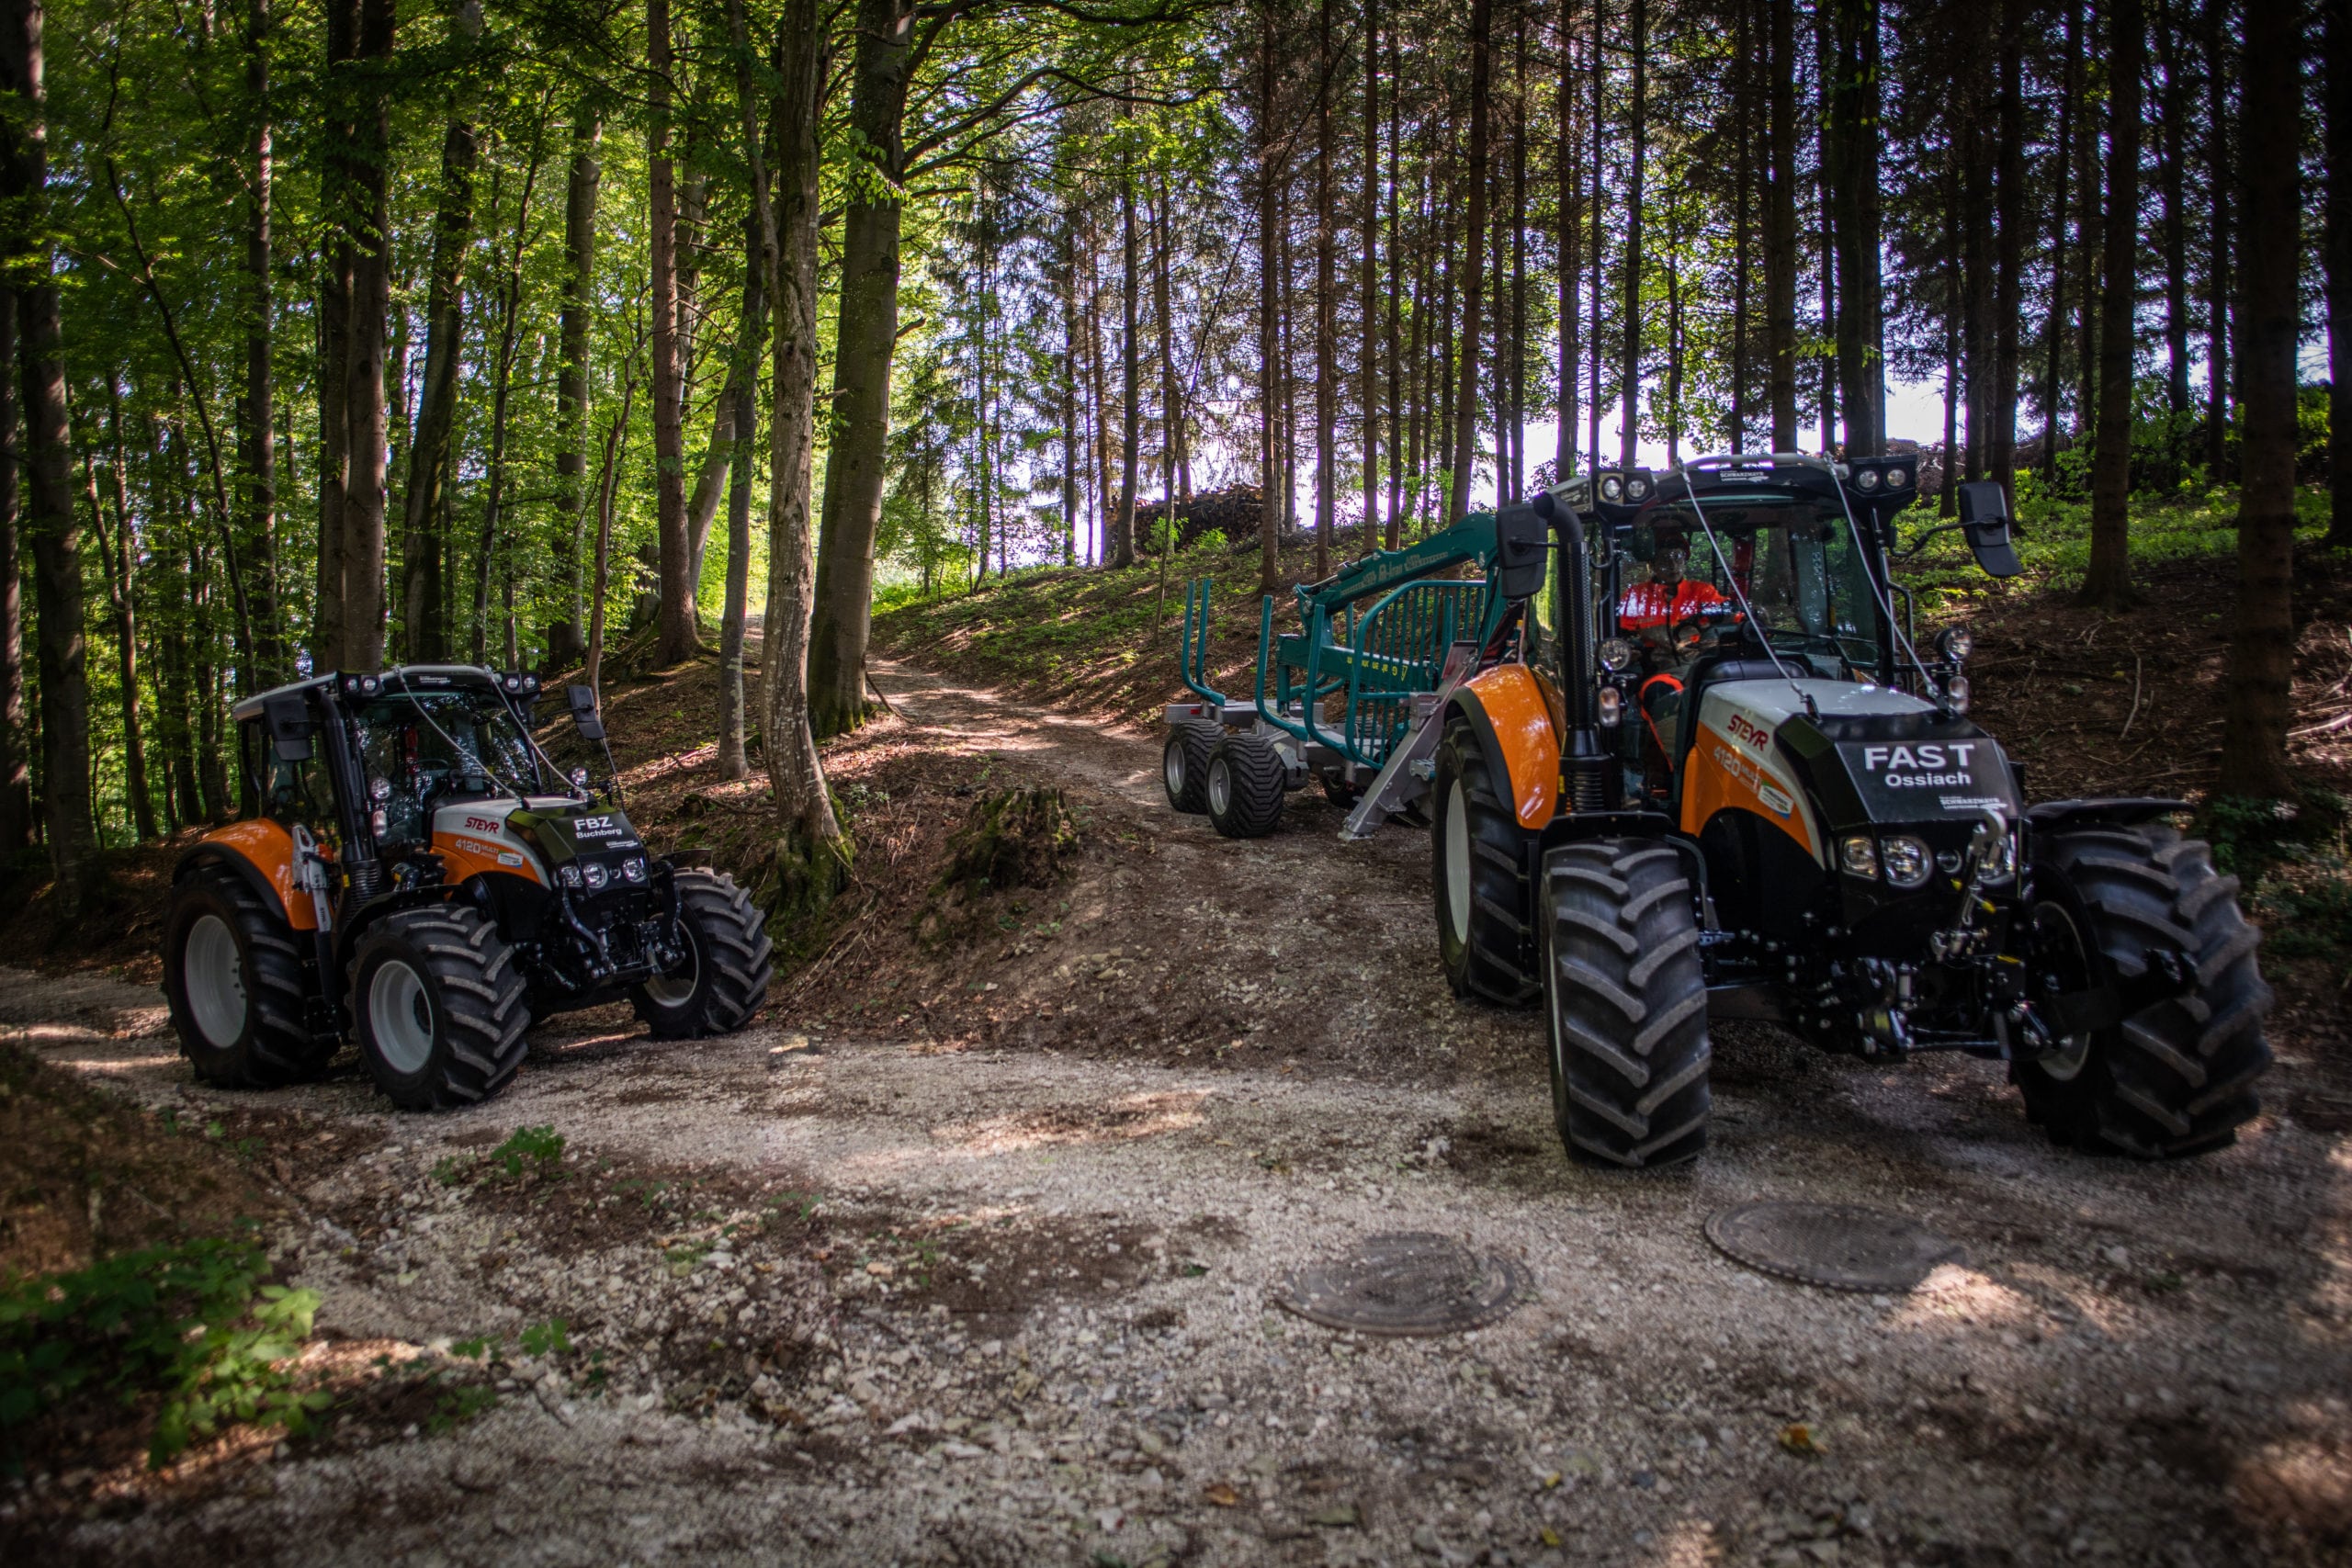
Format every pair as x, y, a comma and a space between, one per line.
191, 1324
2296, 858
540, 1147
541, 1337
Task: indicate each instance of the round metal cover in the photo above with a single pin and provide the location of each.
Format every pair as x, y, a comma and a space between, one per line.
1406, 1282
1842, 1247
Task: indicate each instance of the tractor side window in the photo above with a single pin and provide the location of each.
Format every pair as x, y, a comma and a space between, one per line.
298, 792
253, 771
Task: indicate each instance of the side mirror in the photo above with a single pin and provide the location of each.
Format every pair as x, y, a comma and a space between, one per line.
1984, 519
583, 712
1520, 541
290, 727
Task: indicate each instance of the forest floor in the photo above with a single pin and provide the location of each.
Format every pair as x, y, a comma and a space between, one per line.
967, 1251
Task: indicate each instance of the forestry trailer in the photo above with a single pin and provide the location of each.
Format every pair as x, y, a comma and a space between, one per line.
1737, 789
412, 867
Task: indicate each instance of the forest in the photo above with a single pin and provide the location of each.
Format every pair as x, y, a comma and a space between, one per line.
550, 333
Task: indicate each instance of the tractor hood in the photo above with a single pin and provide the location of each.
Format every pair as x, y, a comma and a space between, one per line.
566, 831
1877, 756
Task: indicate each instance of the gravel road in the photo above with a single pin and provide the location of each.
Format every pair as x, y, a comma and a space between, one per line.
1005, 1295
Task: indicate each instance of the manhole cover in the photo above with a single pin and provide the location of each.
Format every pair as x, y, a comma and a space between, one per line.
1841, 1246
1406, 1282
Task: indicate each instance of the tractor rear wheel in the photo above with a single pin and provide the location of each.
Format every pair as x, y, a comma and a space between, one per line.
440, 1006
233, 975
1479, 860
1184, 764
728, 964
1625, 1004
2175, 1077
1244, 785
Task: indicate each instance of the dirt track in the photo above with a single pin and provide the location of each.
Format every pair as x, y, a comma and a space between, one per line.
997, 1290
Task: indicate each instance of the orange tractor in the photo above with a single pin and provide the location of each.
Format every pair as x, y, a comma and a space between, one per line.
1727, 784
412, 867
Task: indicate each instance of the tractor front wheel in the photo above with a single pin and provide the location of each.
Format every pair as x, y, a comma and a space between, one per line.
2176, 1076
1184, 764
1246, 779
728, 963
1479, 859
233, 977
440, 1006
1625, 1004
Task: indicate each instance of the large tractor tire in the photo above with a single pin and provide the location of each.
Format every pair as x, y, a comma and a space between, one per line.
1625, 1004
441, 1007
728, 970
2175, 1077
1484, 917
1246, 779
233, 975
1184, 764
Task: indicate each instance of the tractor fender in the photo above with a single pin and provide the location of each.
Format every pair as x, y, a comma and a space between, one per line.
1517, 721
261, 853
2120, 811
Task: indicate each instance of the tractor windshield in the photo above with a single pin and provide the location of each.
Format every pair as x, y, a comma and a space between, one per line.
1800, 572
462, 741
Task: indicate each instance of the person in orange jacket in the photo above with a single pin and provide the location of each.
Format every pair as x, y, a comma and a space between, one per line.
1656, 611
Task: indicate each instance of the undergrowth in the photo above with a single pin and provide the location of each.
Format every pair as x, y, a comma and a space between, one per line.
191, 1327
2295, 861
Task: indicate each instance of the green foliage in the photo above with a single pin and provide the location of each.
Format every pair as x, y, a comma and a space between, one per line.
2296, 857
191, 1325
540, 1148
554, 1335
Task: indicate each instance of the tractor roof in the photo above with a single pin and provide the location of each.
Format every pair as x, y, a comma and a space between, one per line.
401, 677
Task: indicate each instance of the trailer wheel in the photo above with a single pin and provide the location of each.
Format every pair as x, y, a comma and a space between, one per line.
1625, 1004
233, 977
727, 968
440, 1006
2175, 1077
1184, 764
1244, 785
1478, 855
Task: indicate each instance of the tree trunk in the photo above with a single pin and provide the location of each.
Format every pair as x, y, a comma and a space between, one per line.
581, 189
1270, 506
2053, 320
2010, 211
15, 770
1824, 177
2091, 235
2337, 159
1171, 396
1395, 378
1326, 370
857, 457
122, 587
2262, 647
743, 392
423, 629
333, 325
369, 213
257, 446
1473, 254
1368, 286
48, 518
677, 637
2219, 181
1072, 436
1570, 172
1861, 368
1637, 135
2175, 235
1122, 525
810, 848
1742, 119
2107, 578
509, 295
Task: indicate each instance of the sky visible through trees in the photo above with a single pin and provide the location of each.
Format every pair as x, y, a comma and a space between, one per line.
345, 332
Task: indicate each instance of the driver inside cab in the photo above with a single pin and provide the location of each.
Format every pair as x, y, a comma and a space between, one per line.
1669, 615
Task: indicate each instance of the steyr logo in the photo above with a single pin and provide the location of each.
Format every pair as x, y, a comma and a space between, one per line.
1748, 733
483, 825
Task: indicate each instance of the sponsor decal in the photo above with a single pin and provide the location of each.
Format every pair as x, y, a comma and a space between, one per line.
483, 825
508, 857
1929, 765
596, 827
1748, 733
1776, 799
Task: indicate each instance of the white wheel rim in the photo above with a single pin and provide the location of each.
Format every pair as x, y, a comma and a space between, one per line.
400, 1016
672, 990
1457, 862
214, 977
1220, 785
1171, 766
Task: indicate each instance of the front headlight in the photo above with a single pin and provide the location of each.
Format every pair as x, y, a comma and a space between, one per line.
597, 875
1859, 856
1907, 859
1867, 481
1956, 643
1636, 488
633, 868
1611, 488
1616, 655
569, 875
